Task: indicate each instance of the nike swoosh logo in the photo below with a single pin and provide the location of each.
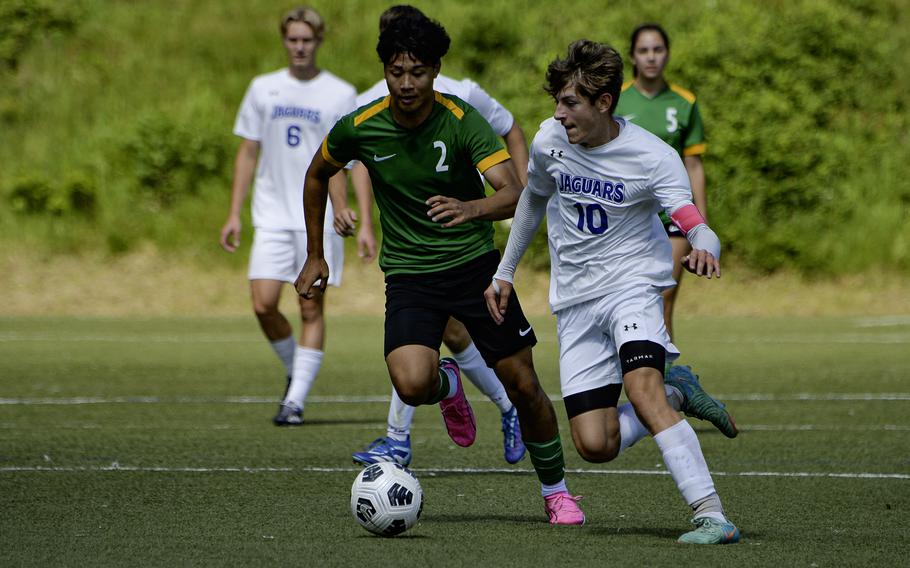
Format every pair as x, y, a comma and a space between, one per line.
524, 332
383, 158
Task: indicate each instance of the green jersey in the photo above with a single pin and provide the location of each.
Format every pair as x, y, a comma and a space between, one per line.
408, 166
671, 114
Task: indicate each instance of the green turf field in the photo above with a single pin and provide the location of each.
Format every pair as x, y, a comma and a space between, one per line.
149, 442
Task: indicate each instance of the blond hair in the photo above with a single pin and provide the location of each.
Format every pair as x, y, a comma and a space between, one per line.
306, 15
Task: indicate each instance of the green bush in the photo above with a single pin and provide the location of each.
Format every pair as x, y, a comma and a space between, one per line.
804, 103
39, 195
170, 157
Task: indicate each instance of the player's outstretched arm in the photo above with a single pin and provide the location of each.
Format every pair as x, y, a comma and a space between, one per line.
501, 205
704, 260
244, 168
315, 192
363, 192
344, 215
528, 215
518, 149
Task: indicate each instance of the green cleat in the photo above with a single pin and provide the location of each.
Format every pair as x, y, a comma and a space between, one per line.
711, 531
697, 403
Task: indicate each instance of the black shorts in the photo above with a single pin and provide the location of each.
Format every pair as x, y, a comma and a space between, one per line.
417, 307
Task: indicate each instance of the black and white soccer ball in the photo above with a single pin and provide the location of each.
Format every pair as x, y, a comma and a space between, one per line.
386, 499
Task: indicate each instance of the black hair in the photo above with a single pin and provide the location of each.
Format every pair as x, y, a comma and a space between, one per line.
418, 36
646, 27
397, 11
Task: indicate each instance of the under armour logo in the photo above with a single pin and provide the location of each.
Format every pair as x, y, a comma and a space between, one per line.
633, 326
554, 153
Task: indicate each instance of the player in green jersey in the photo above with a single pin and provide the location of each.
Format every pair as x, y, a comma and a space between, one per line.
423, 151
670, 112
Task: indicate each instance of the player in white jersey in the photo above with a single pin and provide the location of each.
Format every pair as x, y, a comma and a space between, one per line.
396, 444
282, 121
611, 258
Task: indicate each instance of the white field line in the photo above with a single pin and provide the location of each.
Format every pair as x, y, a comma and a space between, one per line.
81, 400
896, 338
379, 424
883, 321
116, 467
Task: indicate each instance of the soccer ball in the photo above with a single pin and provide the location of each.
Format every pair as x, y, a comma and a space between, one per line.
386, 499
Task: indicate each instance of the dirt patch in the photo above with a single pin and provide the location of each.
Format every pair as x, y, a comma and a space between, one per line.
148, 283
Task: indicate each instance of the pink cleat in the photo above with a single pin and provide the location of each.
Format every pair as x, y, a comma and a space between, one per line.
456, 412
563, 509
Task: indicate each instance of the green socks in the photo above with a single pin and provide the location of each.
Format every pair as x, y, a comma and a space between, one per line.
548, 460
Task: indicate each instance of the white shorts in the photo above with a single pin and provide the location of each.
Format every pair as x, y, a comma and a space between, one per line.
591, 333
279, 255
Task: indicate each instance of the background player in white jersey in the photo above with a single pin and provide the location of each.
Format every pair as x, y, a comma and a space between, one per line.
282, 120
610, 260
396, 444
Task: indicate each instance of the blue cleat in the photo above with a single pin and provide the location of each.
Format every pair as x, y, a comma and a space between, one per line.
711, 531
385, 450
514, 448
289, 414
697, 403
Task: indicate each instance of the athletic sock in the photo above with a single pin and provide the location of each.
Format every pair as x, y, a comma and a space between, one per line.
631, 429
400, 417
475, 369
709, 507
560, 487
284, 348
684, 460
548, 460
306, 365
448, 386
674, 397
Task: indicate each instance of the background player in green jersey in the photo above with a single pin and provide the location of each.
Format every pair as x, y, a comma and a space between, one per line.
423, 151
670, 112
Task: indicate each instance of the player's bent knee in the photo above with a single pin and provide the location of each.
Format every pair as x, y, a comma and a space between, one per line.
596, 452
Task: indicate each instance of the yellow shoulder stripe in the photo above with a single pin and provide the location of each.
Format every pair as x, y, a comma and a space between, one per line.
695, 150
372, 111
327, 156
626, 85
496, 157
684, 93
449, 104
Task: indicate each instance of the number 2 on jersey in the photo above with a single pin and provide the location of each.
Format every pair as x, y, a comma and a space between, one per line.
441, 164
592, 215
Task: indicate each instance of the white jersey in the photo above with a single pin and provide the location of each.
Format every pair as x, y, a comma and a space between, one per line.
289, 118
603, 231
467, 90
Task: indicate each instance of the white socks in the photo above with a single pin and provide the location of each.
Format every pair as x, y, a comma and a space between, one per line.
631, 429
475, 369
400, 417
306, 365
547, 490
684, 460
284, 348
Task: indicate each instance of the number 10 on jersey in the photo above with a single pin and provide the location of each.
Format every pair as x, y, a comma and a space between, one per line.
592, 216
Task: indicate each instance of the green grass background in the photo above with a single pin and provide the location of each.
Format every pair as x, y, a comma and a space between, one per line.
116, 117
170, 395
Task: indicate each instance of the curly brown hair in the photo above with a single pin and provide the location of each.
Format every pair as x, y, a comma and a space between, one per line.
593, 68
